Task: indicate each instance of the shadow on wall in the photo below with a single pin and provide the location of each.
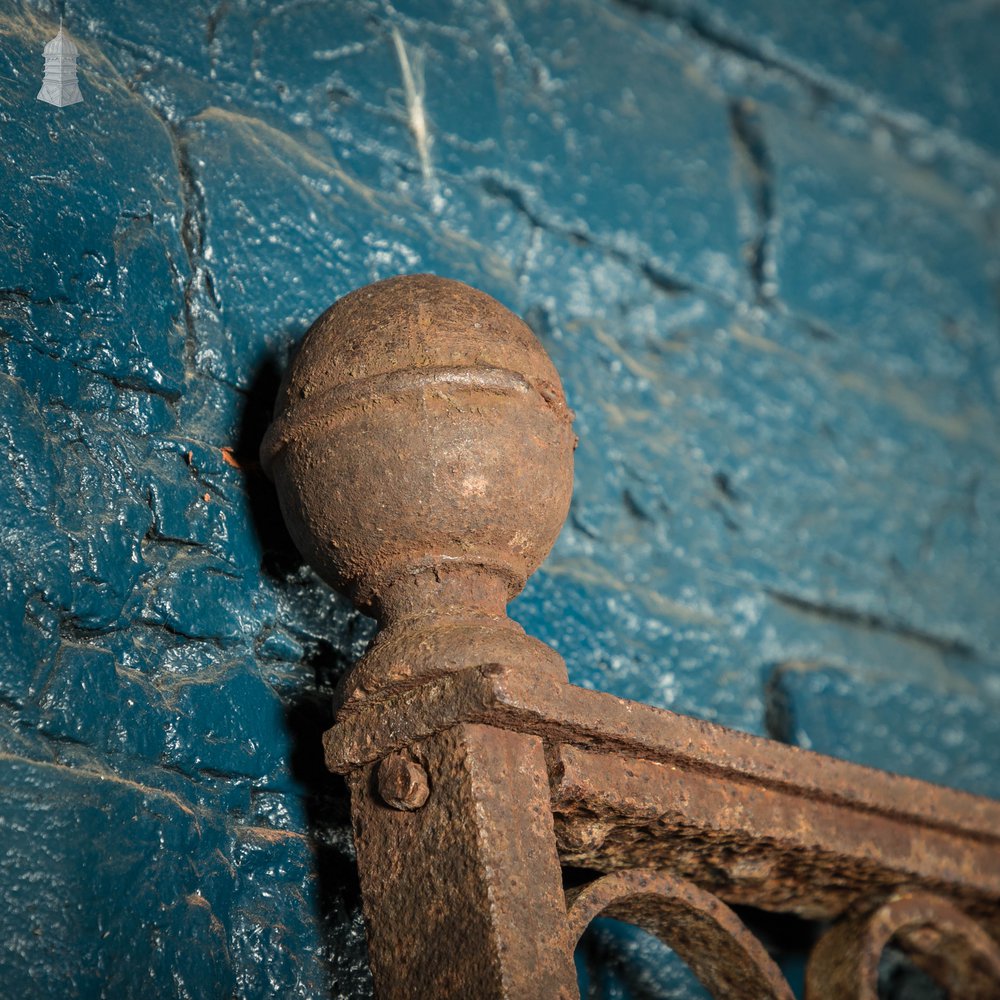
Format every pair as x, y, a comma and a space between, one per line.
308, 708
280, 557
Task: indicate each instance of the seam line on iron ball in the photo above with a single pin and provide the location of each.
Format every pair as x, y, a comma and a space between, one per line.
331, 404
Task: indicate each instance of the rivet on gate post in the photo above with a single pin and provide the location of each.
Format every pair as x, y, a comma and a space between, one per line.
402, 783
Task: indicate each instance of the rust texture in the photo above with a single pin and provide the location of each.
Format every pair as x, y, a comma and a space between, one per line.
463, 897
391, 450
422, 452
602, 723
951, 948
773, 848
402, 782
563, 713
714, 942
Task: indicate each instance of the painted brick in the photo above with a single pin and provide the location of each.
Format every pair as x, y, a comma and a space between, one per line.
924, 61
761, 250
891, 724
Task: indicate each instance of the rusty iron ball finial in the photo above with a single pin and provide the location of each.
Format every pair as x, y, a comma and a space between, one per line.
422, 450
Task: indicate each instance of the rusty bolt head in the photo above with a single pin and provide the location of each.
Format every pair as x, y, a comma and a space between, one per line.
402, 783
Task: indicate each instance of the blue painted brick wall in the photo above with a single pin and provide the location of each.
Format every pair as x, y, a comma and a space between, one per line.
758, 240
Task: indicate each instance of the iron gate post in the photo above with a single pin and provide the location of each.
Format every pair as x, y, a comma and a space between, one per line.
422, 452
